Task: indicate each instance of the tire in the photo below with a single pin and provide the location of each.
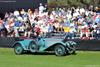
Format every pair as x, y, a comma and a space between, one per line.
60, 50
33, 47
73, 53
72, 49
18, 49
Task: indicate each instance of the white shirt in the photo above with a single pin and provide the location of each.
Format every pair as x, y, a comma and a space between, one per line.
16, 13
41, 8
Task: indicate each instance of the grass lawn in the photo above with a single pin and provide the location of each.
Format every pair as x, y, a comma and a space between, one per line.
81, 59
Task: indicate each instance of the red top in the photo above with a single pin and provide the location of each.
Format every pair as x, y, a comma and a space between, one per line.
85, 30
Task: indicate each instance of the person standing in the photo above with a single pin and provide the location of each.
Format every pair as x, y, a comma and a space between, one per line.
41, 8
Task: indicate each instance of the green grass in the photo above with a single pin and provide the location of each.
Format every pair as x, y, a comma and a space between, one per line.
81, 59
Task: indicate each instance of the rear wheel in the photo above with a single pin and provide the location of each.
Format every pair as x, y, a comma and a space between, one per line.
60, 50
33, 47
18, 49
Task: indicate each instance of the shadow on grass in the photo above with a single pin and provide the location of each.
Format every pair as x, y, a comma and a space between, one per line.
44, 53
38, 53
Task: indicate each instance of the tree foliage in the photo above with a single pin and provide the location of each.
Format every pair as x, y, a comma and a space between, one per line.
81, 3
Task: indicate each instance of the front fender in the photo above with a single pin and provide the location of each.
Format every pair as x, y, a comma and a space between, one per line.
71, 43
64, 44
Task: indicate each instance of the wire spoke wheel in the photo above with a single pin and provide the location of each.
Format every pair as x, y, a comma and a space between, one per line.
60, 50
72, 49
18, 49
33, 47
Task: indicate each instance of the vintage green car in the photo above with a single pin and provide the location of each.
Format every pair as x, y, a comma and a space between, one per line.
53, 42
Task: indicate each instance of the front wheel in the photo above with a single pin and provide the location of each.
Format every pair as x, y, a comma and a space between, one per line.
18, 49
60, 50
72, 49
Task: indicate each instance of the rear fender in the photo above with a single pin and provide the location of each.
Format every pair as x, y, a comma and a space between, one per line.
24, 44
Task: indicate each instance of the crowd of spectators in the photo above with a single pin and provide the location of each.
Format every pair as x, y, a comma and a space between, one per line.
75, 22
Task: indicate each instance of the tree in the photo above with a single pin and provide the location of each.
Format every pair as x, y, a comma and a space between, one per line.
75, 2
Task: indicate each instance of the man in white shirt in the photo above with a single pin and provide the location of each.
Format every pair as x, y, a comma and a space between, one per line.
41, 8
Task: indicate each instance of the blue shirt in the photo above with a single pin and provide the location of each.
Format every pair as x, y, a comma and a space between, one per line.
18, 24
